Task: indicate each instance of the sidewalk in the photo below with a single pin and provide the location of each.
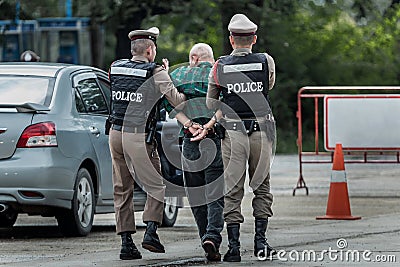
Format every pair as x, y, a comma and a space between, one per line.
290, 233
374, 195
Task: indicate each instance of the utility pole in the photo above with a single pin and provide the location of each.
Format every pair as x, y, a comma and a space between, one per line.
17, 10
68, 8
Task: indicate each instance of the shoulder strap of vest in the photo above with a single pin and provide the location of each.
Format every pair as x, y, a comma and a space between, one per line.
263, 57
119, 61
153, 67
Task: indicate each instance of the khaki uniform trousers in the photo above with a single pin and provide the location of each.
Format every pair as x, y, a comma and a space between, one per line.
239, 151
132, 157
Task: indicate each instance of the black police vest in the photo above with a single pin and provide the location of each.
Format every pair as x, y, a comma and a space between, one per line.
133, 92
244, 85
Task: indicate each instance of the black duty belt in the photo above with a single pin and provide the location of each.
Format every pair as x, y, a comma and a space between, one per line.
128, 129
245, 126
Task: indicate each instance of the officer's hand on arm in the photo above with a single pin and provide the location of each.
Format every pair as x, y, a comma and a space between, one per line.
165, 64
167, 88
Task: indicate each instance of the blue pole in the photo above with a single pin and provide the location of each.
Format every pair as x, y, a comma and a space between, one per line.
17, 9
68, 8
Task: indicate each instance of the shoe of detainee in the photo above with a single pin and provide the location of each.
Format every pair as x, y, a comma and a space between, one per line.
212, 252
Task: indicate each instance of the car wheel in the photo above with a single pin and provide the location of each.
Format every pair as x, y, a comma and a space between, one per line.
170, 211
79, 220
8, 218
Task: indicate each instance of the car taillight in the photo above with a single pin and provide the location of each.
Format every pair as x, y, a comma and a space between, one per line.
38, 135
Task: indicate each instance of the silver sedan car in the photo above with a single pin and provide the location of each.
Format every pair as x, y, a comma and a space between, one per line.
54, 154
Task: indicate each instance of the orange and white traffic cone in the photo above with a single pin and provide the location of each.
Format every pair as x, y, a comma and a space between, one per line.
338, 207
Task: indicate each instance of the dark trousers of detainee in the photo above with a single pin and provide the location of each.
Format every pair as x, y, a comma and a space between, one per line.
204, 183
240, 151
132, 157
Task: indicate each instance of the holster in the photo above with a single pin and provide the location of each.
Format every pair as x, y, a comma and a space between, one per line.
270, 130
248, 126
107, 126
151, 132
219, 130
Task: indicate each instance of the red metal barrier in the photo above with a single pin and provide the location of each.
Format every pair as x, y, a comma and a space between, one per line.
352, 156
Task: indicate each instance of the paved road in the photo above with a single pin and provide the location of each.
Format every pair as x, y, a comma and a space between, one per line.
374, 195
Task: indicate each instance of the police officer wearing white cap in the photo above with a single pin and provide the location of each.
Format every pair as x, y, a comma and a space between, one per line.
137, 84
244, 79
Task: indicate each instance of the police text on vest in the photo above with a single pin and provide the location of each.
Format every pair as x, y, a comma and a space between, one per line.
127, 96
247, 87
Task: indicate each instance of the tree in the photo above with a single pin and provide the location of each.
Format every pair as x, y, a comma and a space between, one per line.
7, 9
30, 9
184, 27
99, 13
129, 15
252, 8
325, 45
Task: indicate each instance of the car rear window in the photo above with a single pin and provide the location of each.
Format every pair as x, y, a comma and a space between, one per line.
25, 89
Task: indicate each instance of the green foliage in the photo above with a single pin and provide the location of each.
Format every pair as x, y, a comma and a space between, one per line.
183, 27
31, 9
324, 45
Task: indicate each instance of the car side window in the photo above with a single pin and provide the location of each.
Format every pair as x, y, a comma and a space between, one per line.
79, 103
92, 97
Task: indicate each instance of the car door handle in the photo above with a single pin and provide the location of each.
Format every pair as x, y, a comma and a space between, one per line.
94, 130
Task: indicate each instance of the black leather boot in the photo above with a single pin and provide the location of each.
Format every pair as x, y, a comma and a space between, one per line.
128, 248
261, 245
233, 253
151, 241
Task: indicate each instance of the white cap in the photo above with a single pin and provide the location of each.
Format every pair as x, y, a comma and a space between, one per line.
151, 34
240, 25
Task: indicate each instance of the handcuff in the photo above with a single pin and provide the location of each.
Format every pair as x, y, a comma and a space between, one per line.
190, 125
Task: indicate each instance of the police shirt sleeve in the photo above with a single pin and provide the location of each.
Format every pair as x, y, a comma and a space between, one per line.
271, 68
164, 83
213, 91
